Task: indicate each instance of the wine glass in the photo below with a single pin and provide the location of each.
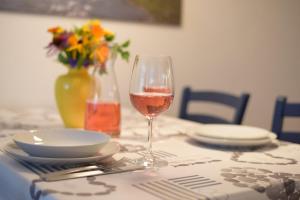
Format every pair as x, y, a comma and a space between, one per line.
151, 93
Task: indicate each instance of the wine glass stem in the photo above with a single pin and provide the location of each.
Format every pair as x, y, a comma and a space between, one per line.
150, 122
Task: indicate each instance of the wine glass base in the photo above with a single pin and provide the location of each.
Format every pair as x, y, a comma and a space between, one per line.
151, 162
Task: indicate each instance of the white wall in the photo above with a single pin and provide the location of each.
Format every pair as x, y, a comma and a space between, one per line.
228, 45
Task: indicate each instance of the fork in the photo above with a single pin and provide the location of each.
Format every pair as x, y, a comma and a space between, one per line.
87, 168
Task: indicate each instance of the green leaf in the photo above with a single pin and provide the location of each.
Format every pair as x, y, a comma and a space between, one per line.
69, 54
120, 50
109, 38
125, 55
62, 58
80, 60
126, 44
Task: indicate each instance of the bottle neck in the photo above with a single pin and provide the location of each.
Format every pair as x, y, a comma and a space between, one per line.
105, 86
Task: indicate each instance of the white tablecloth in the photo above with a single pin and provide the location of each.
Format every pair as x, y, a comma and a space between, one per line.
195, 171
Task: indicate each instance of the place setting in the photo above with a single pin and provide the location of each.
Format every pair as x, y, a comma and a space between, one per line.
66, 153
58, 154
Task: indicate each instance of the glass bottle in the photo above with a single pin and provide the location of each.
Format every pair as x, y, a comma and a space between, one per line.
103, 109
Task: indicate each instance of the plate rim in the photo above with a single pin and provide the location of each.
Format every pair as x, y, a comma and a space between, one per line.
48, 160
198, 132
229, 142
39, 131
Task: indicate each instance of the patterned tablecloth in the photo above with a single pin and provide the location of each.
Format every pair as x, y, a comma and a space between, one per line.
195, 171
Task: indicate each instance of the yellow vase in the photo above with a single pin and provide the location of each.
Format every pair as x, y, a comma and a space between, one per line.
71, 92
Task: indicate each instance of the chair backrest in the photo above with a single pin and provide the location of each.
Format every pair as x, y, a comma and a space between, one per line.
284, 109
238, 103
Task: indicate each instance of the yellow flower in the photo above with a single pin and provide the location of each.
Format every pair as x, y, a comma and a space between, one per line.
108, 32
87, 26
85, 40
77, 47
94, 22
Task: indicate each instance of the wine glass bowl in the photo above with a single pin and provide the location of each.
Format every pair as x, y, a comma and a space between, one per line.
151, 92
151, 104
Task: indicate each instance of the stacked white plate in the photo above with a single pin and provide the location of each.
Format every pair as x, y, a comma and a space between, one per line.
232, 135
61, 146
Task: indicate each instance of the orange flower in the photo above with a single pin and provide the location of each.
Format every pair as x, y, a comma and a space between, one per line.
72, 40
102, 53
55, 30
85, 40
97, 31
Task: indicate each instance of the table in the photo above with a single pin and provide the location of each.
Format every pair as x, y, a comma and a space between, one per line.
195, 171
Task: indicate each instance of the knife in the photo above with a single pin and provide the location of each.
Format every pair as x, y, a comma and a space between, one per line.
51, 177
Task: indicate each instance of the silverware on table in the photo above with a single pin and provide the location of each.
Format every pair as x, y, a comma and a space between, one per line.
78, 174
89, 167
62, 172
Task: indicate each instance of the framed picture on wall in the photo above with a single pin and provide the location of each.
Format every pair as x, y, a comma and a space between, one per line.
146, 11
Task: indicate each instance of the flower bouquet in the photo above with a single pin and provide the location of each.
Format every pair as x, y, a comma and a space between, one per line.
85, 46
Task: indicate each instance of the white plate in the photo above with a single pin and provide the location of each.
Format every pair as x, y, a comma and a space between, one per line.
61, 143
230, 142
107, 151
232, 132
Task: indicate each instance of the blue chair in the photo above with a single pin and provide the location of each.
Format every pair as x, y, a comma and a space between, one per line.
237, 103
284, 109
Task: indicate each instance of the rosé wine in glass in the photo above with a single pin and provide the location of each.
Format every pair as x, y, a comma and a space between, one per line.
151, 104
